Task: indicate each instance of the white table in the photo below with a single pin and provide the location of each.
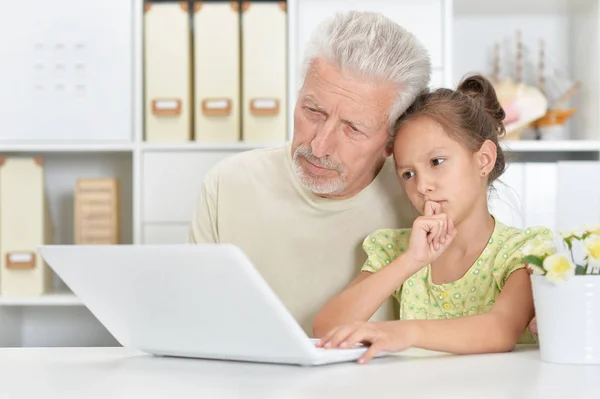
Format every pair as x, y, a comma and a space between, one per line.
123, 373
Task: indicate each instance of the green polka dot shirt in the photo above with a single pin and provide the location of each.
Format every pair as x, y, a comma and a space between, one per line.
474, 293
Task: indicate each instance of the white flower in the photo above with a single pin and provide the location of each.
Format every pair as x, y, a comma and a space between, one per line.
592, 228
539, 247
574, 232
559, 267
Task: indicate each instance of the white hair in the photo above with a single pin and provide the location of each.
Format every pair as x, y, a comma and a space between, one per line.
372, 46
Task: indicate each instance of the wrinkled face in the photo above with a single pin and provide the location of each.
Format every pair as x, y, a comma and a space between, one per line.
341, 131
435, 167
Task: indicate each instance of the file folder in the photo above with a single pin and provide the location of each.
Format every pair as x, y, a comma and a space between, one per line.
217, 71
24, 225
167, 72
264, 63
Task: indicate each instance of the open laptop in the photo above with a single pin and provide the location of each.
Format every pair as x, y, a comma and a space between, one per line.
201, 301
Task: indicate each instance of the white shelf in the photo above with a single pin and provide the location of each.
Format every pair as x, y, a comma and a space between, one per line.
551, 146
65, 147
508, 145
532, 7
198, 146
54, 299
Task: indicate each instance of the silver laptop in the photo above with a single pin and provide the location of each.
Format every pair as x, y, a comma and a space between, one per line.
201, 301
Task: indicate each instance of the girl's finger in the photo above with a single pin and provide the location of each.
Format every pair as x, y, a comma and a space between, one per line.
435, 231
447, 227
323, 341
431, 208
363, 334
443, 230
439, 234
340, 336
373, 351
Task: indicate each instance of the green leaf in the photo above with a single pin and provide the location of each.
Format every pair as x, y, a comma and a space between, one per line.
580, 270
534, 260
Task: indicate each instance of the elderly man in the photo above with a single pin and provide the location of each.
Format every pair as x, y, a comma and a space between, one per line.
301, 211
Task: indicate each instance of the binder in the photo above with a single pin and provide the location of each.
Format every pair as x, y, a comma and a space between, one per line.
217, 72
167, 67
97, 216
264, 67
24, 225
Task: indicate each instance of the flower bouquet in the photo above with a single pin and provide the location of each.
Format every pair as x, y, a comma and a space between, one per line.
566, 293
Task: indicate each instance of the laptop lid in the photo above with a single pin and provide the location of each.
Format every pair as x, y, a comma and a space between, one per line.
202, 300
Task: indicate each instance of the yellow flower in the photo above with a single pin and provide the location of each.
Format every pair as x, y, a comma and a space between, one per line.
446, 306
592, 246
539, 247
558, 267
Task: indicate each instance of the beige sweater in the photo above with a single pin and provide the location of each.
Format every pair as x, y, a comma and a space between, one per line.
307, 248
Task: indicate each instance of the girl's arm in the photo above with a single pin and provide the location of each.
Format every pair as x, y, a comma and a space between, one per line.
430, 236
498, 330
363, 296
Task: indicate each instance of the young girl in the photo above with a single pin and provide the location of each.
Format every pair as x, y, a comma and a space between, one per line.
457, 260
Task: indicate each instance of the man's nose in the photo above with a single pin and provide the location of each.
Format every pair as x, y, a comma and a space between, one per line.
325, 140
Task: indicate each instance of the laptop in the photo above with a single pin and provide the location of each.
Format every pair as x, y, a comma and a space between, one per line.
198, 301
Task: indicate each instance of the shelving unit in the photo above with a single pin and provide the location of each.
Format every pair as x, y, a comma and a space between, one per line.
54, 299
198, 146
151, 173
11, 148
551, 146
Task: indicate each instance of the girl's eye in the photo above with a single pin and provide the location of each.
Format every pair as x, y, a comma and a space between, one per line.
437, 161
407, 175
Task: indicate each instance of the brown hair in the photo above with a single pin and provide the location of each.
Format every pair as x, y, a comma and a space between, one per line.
470, 114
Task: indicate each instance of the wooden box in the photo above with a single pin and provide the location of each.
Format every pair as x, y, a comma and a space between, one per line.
97, 211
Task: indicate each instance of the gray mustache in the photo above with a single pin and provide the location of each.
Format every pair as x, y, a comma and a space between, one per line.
306, 152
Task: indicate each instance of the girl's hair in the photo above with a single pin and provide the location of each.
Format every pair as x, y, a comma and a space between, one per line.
470, 114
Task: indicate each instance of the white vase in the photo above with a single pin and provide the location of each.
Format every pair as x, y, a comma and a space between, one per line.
568, 319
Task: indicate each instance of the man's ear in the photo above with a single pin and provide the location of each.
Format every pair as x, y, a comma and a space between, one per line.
389, 147
388, 151
486, 157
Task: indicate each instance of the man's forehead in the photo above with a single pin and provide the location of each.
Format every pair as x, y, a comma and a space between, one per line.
359, 120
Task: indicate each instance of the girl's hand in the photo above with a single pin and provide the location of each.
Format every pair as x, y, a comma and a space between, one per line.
388, 336
431, 234
533, 324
